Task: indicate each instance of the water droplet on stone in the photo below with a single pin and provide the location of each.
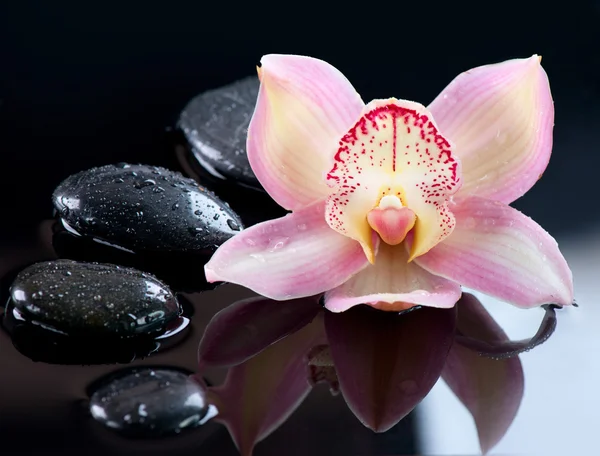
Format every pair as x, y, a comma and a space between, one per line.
233, 225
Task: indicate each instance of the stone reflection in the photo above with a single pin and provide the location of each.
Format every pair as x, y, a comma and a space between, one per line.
382, 363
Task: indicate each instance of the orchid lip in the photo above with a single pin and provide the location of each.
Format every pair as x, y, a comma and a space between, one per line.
391, 220
393, 172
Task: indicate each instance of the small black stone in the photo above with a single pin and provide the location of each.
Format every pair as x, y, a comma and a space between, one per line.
149, 402
90, 299
215, 124
144, 208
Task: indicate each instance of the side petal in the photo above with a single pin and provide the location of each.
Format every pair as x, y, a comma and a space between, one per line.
260, 394
304, 107
500, 118
291, 257
245, 328
387, 363
394, 284
491, 389
499, 251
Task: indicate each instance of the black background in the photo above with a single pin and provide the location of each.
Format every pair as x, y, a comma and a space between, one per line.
90, 83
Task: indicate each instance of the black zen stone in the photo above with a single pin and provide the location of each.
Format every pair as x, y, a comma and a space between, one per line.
149, 402
142, 208
215, 124
93, 300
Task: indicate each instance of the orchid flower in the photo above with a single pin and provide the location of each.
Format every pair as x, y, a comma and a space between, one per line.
394, 204
383, 363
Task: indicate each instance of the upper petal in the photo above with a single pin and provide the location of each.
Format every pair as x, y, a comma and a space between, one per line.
387, 363
500, 118
393, 283
291, 257
491, 389
304, 106
499, 251
394, 149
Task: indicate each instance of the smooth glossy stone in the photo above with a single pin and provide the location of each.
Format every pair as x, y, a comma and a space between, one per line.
75, 298
149, 402
215, 124
142, 208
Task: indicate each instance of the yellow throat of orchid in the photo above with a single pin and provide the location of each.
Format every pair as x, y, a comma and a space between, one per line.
393, 174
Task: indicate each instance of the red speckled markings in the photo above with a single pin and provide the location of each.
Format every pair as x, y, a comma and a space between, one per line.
394, 149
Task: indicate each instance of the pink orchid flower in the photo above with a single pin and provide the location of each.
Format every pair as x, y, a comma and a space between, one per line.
395, 204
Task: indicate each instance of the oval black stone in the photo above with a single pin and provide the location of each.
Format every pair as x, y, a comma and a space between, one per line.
144, 208
149, 402
90, 299
215, 124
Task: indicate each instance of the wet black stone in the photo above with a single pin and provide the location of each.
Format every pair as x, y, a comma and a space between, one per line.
215, 124
143, 208
88, 299
149, 402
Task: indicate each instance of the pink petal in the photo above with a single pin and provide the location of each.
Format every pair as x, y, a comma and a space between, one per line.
499, 251
500, 118
393, 283
291, 257
491, 389
387, 363
304, 107
260, 394
394, 150
245, 328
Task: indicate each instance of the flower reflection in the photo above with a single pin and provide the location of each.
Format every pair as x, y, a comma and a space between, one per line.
383, 363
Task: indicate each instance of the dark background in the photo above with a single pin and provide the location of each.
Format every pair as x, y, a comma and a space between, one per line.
91, 83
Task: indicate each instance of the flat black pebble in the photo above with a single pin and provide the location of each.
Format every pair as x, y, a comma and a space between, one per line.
215, 124
144, 208
93, 299
149, 402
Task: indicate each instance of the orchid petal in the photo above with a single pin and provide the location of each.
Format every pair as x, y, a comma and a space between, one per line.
260, 394
304, 106
246, 327
491, 389
291, 257
393, 283
500, 118
499, 251
394, 149
387, 363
